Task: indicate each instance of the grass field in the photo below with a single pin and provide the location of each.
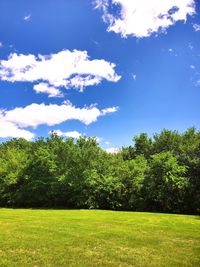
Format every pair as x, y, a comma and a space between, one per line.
97, 238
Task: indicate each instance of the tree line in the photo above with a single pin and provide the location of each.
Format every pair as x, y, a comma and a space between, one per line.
159, 173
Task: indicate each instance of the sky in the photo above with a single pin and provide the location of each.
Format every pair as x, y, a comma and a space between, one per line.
107, 68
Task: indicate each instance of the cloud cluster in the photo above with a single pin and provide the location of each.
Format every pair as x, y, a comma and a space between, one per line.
141, 18
69, 69
13, 122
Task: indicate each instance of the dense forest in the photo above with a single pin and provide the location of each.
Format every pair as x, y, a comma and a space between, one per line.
159, 173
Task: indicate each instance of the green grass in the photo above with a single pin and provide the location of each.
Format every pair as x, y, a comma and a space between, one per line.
97, 238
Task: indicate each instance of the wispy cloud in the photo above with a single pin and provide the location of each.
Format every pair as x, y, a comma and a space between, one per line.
47, 89
191, 47
107, 143
198, 83
27, 17
141, 18
134, 77
196, 27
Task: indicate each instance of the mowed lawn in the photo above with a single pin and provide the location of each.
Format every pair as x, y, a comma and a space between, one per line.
97, 238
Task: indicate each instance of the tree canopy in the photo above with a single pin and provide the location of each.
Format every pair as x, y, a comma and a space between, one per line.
158, 173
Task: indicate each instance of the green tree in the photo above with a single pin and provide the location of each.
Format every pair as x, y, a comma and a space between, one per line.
13, 165
166, 184
143, 145
133, 176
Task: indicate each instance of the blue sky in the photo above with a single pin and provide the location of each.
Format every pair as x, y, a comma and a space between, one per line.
98, 69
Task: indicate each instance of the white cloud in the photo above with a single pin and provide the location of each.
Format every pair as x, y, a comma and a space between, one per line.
196, 27
1, 44
192, 67
38, 114
73, 134
9, 129
27, 18
69, 69
134, 77
82, 82
112, 150
107, 143
13, 122
50, 90
109, 110
141, 18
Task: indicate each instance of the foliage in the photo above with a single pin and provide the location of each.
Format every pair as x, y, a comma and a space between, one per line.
158, 173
